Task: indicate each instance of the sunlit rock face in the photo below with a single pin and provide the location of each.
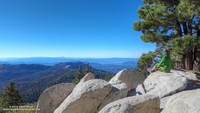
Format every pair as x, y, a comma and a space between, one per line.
52, 97
134, 104
86, 97
184, 102
131, 92
163, 84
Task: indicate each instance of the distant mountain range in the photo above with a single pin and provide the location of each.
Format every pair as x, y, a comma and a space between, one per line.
32, 79
106, 64
33, 75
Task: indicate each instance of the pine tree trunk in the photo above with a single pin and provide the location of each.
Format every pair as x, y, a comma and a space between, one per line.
179, 62
198, 32
185, 29
179, 28
196, 65
189, 61
183, 62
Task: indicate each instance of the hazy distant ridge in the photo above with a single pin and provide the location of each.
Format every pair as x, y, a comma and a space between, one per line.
53, 60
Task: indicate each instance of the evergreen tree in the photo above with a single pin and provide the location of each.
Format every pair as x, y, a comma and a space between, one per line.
80, 73
11, 96
1, 101
87, 69
78, 76
174, 24
146, 60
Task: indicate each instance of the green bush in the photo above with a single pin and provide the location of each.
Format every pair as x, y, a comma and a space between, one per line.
146, 60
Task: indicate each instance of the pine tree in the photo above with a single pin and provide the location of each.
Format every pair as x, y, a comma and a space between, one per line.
1, 101
11, 96
174, 24
87, 68
78, 75
81, 71
146, 60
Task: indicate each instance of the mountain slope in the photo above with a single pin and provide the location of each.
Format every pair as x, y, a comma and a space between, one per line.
32, 79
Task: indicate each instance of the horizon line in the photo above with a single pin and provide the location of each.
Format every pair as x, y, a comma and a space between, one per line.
64, 57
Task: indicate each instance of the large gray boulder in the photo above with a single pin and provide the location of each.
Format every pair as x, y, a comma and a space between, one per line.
88, 76
122, 83
135, 104
184, 102
186, 74
52, 97
130, 77
118, 91
86, 97
163, 84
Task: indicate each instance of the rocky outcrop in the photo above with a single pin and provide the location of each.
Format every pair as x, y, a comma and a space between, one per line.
135, 104
118, 91
130, 77
184, 102
86, 97
88, 76
52, 97
122, 83
186, 74
164, 84
129, 92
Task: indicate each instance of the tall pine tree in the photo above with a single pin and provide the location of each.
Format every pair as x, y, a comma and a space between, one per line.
11, 96
174, 24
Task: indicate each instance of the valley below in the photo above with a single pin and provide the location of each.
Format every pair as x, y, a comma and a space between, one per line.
32, 77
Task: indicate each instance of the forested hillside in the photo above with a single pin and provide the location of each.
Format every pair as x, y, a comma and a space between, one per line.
32, 79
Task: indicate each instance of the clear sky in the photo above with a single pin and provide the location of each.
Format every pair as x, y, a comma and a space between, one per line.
70, 28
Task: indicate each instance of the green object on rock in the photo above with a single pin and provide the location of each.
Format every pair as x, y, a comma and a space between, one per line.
165, 64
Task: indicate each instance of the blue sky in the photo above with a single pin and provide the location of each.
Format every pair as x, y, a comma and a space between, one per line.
70, 28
